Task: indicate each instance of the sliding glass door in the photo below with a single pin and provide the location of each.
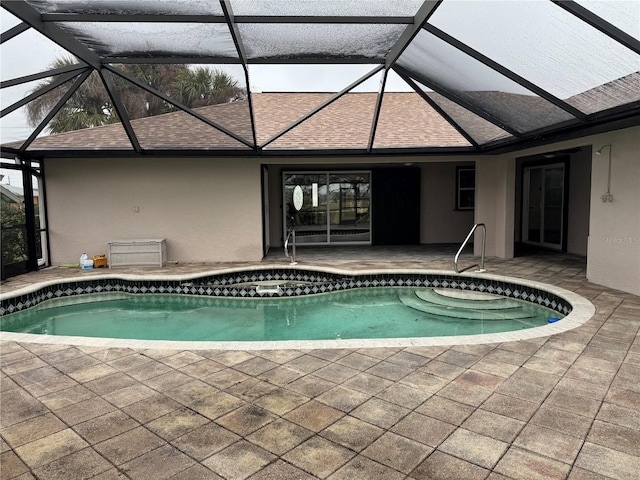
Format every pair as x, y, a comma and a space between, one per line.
335, 207
543, 206
310, 221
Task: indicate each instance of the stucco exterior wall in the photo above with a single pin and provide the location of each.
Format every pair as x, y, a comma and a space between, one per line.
614, 228
495, 204
207, 209
440, 222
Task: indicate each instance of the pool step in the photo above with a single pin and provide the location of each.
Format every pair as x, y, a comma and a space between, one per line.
464, 312
492, 302
467, 294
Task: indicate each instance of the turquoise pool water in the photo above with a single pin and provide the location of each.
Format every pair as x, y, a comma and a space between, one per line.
353, 314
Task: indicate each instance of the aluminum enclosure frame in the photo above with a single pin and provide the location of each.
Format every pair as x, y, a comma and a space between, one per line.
48, 24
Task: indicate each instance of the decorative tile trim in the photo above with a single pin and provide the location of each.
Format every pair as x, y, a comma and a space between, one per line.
292, 283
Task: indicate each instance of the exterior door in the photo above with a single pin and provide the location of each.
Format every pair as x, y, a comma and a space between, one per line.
349, 218
335, 207
543, 205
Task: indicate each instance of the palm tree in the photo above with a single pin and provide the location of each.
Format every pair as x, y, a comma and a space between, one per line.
140, 103
90, 106
201, 86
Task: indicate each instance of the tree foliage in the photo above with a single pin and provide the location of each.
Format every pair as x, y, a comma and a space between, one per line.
202, 86
90, 105
14, 235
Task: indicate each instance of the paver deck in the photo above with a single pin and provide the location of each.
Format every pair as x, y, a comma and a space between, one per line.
565, 406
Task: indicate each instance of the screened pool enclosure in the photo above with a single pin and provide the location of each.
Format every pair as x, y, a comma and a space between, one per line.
460, 76
303, 78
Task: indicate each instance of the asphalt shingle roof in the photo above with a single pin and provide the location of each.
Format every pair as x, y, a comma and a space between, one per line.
406, 120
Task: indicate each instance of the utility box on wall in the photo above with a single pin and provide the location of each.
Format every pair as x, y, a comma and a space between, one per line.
138, 253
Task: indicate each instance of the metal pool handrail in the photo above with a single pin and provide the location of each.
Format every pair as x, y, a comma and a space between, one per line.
464, 244
291, 234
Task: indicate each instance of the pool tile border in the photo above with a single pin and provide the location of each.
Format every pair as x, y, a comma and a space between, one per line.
308, 282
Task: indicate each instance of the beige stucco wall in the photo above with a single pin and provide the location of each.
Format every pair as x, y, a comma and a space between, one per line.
495, 204
207, 209
440, 222
614, 228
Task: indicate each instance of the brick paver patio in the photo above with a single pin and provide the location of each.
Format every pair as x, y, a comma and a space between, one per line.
566, 406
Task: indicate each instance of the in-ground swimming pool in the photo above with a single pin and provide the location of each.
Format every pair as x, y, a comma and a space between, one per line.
385, 312
265, 296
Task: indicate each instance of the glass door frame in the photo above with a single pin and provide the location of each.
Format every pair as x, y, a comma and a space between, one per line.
327, 174
526, 185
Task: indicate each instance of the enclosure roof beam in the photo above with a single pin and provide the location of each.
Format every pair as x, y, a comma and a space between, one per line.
237, 40
120, 108
28, 14
376, 113
159, 18
41, 75
505, 72
437, 108
421, 17
325, 104
14, 31
456, 99
597, 22
52, 113
179, 105
38, 93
